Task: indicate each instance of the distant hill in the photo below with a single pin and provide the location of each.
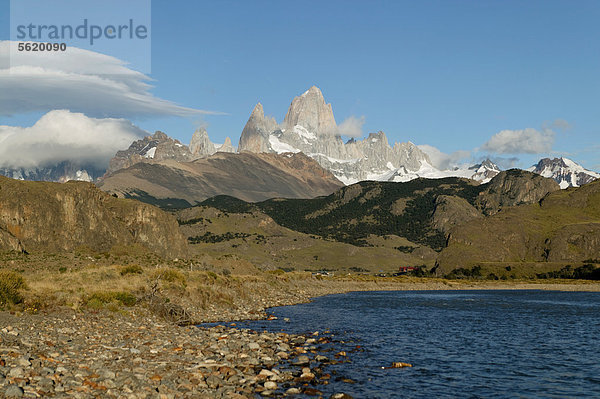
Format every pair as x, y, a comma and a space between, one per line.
251, 177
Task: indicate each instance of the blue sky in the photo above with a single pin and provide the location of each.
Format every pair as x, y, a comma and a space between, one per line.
450, 74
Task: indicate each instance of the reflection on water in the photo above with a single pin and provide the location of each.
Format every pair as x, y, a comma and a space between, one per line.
461, 343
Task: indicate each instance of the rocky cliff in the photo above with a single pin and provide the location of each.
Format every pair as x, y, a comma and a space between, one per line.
514, 187
53, 217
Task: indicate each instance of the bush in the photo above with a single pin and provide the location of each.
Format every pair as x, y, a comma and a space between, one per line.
98, 299
131, 269
11, 283
170, 276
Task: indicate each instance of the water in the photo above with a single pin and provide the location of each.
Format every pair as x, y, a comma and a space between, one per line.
468, 344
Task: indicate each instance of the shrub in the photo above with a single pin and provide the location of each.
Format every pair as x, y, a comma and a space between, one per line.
11, 283
98, 299
170, 276
131, 269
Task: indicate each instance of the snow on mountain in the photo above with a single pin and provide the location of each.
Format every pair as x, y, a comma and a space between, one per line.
309, 127
564, 171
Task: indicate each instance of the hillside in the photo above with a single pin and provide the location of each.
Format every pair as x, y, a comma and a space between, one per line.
255, 237
54, 217
562, 229
251, 177
420, 210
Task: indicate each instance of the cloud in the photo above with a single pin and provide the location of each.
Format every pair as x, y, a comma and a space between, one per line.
61, 135
525, 141
560, 124
442, 160
352, 126
503, 163
78, 80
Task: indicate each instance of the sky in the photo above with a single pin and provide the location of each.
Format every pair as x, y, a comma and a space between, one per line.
515, 81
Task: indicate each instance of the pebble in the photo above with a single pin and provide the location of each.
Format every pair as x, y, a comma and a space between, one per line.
135, 356
13, 391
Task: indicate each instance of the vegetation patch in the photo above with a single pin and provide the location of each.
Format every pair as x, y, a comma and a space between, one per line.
101, 299
585, 272
131, 269
11, 284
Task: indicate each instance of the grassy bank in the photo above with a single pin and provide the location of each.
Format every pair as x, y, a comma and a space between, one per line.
185, 295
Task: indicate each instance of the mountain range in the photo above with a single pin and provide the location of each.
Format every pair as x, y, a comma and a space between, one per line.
308, 127
519, 224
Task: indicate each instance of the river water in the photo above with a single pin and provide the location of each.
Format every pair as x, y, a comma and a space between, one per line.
467, 344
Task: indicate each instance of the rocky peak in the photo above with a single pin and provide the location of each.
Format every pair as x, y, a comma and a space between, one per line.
227, 146
484, 171
156, 147
310, 111
514, 187
255, 136
564, 171
160, 136
200, 145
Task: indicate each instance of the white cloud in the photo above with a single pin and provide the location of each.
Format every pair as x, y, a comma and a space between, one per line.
61, 135
352, 126
78, 80
525, 141
442, 160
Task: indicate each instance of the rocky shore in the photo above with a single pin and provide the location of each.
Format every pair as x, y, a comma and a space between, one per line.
87, 355
134, 354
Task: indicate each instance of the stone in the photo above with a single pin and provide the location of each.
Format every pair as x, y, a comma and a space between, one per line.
13, 391
214, 382
16, 372
293, 391
270, 385
24, 362
302, 360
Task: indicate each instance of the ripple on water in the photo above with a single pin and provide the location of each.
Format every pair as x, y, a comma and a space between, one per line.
471, 344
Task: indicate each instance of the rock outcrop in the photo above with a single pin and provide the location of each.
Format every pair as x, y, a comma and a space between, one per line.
514, 187
452, 211
200, 145
255, 136
227, 146
157, 147
53, 217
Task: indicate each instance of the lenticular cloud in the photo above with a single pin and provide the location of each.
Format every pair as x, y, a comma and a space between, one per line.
81, 81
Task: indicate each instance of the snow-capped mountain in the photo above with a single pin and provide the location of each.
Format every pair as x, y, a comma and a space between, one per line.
483, 172
309, 127
564, 171
60, 172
